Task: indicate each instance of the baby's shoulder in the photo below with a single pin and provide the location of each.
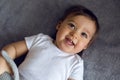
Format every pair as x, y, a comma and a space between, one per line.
43, 36
78, 58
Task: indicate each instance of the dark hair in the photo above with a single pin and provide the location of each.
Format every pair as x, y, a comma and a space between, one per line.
81, 10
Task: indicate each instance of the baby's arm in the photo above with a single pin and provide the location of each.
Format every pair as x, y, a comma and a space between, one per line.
14, 50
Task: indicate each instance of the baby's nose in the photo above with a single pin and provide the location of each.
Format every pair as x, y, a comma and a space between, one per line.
74, 34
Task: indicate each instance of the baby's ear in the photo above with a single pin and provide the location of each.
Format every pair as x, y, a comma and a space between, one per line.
58, 25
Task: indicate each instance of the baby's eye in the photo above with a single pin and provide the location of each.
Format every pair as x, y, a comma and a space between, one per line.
71, 25
84, 34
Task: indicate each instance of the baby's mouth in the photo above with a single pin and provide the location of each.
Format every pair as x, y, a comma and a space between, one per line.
69, 42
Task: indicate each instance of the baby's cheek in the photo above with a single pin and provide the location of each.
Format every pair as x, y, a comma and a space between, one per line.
78, 49
80, 46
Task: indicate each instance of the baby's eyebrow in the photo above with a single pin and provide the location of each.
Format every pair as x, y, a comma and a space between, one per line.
71, 20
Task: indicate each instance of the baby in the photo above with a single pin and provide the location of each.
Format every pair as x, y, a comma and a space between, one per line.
49, 59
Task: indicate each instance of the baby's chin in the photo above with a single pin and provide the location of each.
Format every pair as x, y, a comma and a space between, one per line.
67, 51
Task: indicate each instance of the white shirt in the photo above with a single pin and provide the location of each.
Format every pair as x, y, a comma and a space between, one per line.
45, 61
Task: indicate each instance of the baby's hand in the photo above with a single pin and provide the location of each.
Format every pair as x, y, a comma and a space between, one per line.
11, 63
71, 79
4, 67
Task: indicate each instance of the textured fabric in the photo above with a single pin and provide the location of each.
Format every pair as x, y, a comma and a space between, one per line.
46, 62
6, 76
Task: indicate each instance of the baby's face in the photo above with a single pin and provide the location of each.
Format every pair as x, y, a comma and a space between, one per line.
74, 34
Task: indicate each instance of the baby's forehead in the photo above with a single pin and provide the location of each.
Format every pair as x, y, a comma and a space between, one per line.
73, 17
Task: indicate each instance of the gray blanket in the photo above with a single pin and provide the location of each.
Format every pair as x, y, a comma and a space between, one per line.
20, 18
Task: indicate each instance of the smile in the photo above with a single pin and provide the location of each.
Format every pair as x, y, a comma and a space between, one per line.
69, 42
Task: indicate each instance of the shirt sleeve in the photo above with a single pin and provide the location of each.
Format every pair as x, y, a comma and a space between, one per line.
77, 71
31, 40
